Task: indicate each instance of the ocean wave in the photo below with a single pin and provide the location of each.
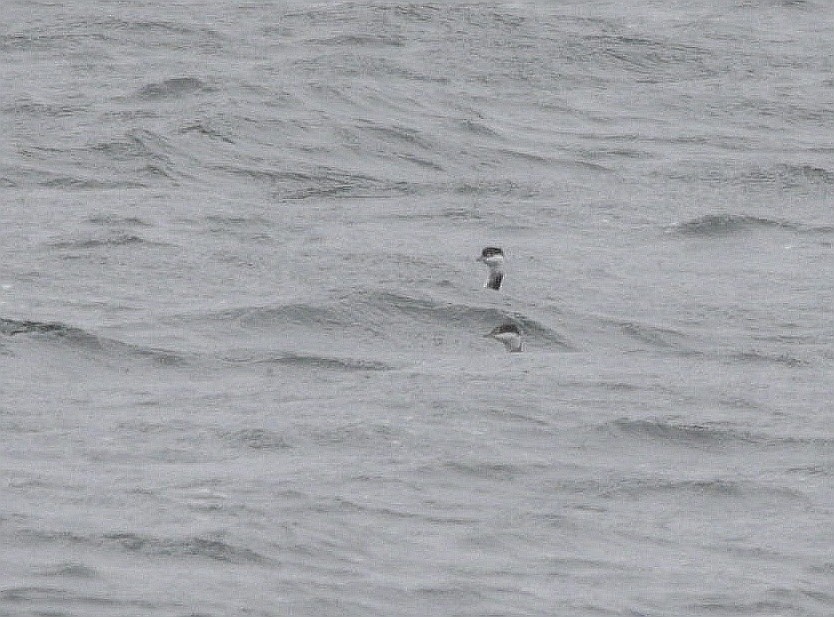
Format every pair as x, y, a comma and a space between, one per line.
487, 471
316, 183
794, 602
11, 327
442, 314
690, 435
314, 361
98, 346
360, 40
113, 240
134, 159
172, 88
786, 176
657, 337
710, 488
136, 144
495, 187
209, 129
310, 314
79, 183
107, 220
718, 225
402, 511
452, 214
652, 58
783, 359
258, 439
62, 597
70, 570
39, 109
385, 314
196, 546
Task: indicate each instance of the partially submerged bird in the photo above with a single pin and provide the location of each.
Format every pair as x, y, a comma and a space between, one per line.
509, 334
493, 257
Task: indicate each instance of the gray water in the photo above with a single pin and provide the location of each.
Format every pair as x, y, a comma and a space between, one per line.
241, 322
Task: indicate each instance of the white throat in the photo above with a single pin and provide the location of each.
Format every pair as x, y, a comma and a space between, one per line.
511, 340
496, 271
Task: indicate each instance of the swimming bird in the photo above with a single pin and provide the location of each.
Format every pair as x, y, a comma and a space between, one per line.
509, 334
493, 258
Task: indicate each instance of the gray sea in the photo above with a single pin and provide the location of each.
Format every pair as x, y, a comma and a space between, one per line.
243, 368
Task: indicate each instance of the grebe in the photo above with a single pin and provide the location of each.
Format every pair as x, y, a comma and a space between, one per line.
509, 334
493, 257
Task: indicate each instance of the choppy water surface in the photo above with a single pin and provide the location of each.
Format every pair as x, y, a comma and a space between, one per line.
241, 324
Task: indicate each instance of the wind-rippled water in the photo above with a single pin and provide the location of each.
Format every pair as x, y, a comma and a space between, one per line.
242, 358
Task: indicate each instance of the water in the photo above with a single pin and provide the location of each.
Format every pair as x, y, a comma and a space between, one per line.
241, 321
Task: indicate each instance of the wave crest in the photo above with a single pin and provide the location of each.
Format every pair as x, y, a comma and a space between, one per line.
79, 339
716, 225
384, 314
692, 435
